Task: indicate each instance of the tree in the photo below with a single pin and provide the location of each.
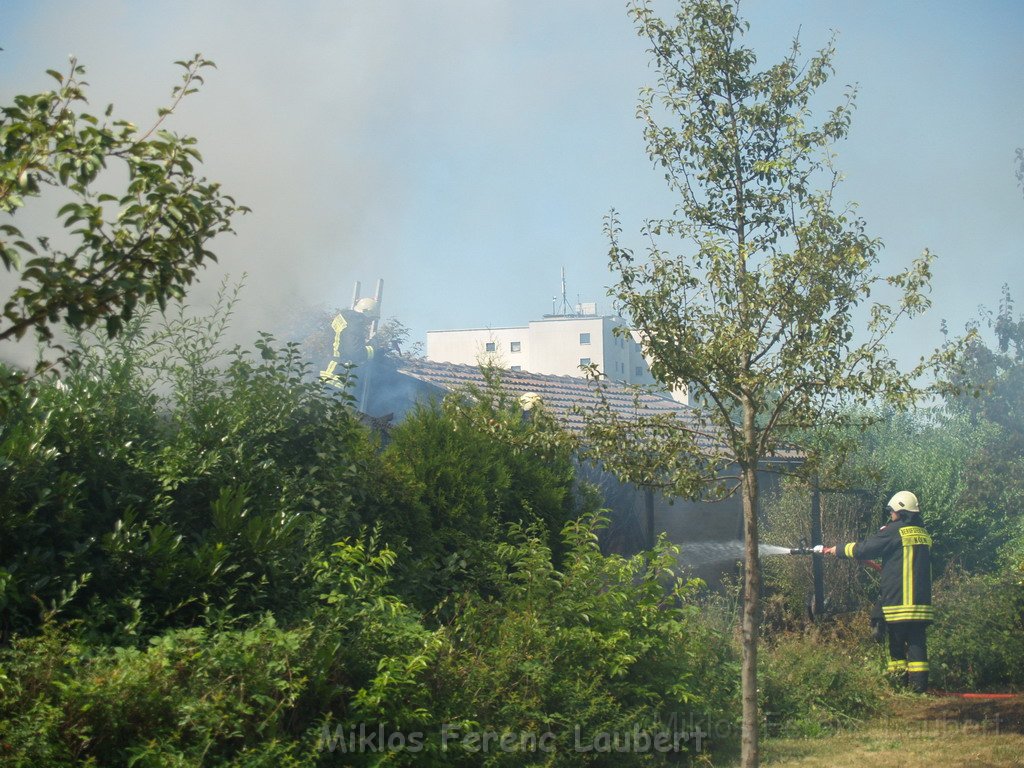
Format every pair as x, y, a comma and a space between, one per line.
1020, 167
984, 387
142, 244
758, 315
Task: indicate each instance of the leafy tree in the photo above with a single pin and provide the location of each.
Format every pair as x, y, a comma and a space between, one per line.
984, 389
1020, 167
987, 381
142, 242
165, 474
758, 313
475, 464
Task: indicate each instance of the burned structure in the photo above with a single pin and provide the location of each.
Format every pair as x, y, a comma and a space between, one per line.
386, 387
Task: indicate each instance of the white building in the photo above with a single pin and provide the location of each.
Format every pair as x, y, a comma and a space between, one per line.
559, 345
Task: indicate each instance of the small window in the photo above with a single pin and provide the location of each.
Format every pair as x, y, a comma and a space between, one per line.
639, 370
490, 346
517, 367
516, 346
584, 361
585, 339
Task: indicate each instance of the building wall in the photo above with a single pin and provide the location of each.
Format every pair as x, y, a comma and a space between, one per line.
474, 346
556, 346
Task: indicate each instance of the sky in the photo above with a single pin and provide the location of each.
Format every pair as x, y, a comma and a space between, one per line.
464, 151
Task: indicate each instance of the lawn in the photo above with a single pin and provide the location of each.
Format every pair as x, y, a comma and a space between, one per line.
928, 731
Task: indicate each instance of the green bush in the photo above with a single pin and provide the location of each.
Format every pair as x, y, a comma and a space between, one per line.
814, 682
605, 645
600, 645
225, 695
977, 640
191, 697
162, 476
474, 466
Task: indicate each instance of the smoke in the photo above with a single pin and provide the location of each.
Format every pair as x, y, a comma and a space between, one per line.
344, 126
463, 151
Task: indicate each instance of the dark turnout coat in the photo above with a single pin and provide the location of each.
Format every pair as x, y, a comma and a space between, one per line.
904, 547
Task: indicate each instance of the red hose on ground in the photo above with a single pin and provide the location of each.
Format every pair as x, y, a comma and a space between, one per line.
983, 696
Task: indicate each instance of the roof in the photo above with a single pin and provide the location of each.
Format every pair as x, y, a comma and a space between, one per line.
562, 394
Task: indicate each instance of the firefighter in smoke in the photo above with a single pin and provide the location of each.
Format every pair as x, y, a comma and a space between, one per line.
352, 331
904, 547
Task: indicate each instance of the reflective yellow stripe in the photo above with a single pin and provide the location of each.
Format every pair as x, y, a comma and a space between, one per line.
897, 665
915, 534
848, 550
900, 610
339, 324
329, 374
917, 666
908, 612
908, 575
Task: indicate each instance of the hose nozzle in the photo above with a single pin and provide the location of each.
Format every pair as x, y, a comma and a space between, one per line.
815, 550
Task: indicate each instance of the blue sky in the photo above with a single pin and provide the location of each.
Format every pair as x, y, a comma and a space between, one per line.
465, 151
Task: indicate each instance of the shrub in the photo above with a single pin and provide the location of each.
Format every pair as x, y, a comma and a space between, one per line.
475, 466
191, 697
163, 476
814, 682
225, 695
977, 640
606, 645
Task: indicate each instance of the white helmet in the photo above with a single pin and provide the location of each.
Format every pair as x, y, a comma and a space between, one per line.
904, 501
367, 306
529, 400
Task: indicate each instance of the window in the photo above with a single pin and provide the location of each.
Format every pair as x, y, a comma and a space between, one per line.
639, 370
516, 346
490, 346
585, 339
584, 361
517, 367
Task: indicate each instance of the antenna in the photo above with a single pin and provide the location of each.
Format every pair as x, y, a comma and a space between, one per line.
565, 310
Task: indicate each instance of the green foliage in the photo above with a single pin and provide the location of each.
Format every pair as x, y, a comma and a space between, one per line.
757, 313
227, 694
977, 641
140, 244
984, 389
816, 682
163, 476
967, 504
604, 644
191, 697
475, 465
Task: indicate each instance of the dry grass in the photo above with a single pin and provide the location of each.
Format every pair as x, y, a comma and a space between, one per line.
930, 732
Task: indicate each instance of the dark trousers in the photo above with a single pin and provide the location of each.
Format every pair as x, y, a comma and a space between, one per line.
908, 652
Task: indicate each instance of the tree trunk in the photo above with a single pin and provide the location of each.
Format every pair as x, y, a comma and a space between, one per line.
750, 754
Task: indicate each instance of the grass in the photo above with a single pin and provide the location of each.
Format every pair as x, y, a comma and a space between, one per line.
917, 731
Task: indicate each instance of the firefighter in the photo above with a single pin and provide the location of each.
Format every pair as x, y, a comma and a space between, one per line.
904, 547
